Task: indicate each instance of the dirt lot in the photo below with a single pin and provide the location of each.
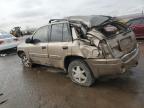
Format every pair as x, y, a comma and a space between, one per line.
42, 87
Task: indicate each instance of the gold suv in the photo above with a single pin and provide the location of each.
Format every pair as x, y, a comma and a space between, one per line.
86, 47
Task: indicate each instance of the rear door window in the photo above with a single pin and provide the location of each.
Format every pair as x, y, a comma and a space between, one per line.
60, 33
56, 33
66, 33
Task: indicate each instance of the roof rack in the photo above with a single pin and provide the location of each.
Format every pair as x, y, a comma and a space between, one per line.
57, 20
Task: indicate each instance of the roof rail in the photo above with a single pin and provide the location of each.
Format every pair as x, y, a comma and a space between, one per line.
57, 20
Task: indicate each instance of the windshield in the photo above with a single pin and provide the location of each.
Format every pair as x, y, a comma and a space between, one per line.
4, 35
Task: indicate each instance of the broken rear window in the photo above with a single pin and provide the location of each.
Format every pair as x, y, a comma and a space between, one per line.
111, 29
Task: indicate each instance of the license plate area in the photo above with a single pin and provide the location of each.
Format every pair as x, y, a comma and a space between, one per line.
126, 44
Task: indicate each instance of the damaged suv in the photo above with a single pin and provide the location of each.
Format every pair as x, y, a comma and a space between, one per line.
86, 47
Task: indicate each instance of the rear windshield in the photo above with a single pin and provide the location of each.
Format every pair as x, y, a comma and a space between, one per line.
4, 35
113, 28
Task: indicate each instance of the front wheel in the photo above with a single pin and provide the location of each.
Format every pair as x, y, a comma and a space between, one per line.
80, 73
26, 62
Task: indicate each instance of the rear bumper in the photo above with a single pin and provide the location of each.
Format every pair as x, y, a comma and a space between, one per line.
102, 67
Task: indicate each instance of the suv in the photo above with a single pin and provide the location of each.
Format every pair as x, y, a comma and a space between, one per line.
86, 47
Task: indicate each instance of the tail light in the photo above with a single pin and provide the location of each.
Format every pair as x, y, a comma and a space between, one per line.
1, 42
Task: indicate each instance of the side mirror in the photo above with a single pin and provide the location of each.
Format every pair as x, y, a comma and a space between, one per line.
35, 41
28, 40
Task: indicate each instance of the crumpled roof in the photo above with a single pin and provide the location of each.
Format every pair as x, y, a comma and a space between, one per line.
90, 21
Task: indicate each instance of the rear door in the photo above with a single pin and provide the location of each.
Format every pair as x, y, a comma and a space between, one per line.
38, 50
58, 46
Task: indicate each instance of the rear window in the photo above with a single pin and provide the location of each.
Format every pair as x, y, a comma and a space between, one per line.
111, 29
4, 35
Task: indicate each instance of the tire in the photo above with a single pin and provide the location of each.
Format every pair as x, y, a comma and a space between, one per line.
26, 62
80, 73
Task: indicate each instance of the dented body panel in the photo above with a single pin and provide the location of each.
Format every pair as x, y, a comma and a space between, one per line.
102, 67
105, 53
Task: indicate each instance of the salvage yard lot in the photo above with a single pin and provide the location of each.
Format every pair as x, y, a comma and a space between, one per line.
42, 87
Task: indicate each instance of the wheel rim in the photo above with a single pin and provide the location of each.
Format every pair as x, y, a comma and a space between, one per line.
79, 74
25, 61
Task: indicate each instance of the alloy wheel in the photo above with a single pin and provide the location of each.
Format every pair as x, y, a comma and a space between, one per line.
26, 61
79, 74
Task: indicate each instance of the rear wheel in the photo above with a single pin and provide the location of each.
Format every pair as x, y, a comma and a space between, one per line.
80, 73
26, 62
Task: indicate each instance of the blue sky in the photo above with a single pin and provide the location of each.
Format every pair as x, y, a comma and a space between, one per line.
35, 13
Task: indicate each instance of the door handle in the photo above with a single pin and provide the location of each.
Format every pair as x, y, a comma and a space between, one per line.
65, 47
43, 47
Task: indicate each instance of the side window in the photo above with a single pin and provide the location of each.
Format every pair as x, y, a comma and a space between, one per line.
41, 34
135, 21
66, 33
56, 33
142, 21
